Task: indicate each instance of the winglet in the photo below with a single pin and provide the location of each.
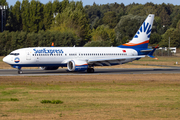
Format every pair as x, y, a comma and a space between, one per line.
52, 45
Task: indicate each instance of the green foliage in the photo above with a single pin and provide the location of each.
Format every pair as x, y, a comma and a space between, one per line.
36, 16
98, 43
155, 38
25, 8
99, 15
165, 37
164, 17
103, 33
110, 19
174, 35
14, 40
52, 102
73, 19
137, 10
94, 13
128, 26
178, 25
48, 15
56, 102
60, 115
16, 18
76, 25
14, 99
100, 33
3, 2
175, 38
124, 40
57, 6
45, 101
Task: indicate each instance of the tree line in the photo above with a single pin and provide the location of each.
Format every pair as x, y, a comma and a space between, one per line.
69, 23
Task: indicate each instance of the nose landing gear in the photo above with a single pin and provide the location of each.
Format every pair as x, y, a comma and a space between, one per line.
20, 71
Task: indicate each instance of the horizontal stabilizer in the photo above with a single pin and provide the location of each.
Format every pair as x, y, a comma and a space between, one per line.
148, 50
151, 53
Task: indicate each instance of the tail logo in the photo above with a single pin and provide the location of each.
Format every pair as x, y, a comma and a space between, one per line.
144, 29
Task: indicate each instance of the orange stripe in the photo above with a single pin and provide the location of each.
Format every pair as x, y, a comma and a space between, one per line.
132, 44
81, 65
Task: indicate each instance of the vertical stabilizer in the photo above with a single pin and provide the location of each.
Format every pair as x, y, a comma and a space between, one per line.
141, 38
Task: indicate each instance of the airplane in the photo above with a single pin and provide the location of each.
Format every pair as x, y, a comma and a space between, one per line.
84, 58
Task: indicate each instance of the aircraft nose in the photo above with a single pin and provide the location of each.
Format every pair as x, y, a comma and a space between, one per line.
5, 59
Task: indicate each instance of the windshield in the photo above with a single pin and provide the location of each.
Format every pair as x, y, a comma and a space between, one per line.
16, 54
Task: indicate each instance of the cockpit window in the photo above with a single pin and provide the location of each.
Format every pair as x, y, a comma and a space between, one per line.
16, 54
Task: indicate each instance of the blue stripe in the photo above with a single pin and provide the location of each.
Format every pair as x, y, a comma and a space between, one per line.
38, 65
81, 68
51, 65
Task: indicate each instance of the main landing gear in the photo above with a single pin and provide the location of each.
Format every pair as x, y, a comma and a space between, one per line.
90, 70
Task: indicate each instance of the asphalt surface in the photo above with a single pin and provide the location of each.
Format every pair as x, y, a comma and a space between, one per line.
39, 72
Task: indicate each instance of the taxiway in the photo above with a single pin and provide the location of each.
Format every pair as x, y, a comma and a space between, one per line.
39, 72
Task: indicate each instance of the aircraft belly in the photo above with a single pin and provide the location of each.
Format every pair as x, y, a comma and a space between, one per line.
112, 62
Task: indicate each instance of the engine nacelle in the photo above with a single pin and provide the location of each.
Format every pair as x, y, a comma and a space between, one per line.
50, 68
77, 65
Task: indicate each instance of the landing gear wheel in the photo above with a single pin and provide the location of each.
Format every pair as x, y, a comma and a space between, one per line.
90, 70
20, 72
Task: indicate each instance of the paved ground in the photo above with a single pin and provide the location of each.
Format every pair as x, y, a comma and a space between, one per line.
38, 72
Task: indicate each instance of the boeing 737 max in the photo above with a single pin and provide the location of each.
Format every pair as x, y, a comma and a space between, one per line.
84, 58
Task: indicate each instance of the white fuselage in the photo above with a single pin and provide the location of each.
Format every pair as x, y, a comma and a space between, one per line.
59, 56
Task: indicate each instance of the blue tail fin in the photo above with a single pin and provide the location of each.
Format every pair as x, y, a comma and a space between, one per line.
141, 38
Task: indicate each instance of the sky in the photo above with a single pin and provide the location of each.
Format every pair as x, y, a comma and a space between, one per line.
126, 2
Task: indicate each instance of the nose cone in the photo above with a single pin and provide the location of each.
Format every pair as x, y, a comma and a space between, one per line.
6, 60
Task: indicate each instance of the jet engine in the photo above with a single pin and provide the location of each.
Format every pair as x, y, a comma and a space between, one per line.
77, 65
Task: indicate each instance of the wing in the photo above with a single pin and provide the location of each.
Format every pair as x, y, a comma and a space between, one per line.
112, 61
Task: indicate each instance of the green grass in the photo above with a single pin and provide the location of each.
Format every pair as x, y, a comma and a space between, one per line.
52, 101
14, 99
161, 58
135, 99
